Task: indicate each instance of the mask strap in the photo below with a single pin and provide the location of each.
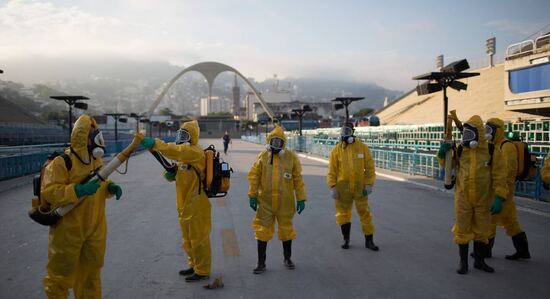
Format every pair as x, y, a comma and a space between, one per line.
78, 157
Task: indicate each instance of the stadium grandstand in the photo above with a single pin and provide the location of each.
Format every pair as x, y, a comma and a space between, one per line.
516, 90
19, 127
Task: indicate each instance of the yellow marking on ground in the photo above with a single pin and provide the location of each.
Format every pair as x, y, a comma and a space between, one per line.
229, 242
221, 201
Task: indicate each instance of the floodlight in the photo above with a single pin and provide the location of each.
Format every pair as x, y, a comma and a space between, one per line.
82, 106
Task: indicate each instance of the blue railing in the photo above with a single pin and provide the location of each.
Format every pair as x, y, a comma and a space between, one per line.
413, 159
16, 161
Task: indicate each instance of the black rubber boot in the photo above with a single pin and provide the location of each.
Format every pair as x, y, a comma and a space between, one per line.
369, 243
479, 257
196, 277
488, 249
187, 272
262, 246
287, 252
346, 229
522, 247
463, 265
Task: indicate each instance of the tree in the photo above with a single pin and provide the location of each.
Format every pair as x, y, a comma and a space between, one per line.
363, 112
166, 111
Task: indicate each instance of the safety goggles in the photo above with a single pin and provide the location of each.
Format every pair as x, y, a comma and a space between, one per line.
276, 143
182, 136
97, 139
469, 133
346, 131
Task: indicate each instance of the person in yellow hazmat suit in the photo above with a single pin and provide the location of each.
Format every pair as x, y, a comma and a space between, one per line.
351, 178
191, 200
503, 210
545, 171
76, 244
275, 183
479, 175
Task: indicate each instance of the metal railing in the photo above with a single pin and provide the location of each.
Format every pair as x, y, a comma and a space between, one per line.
412, 159
16, 161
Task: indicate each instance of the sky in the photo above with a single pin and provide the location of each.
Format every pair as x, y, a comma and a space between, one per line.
384, 42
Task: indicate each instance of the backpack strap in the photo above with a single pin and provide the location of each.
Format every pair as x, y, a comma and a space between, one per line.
199, 176
459, 150
502, 144
68, 161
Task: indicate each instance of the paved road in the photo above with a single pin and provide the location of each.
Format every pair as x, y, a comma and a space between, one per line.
417, 257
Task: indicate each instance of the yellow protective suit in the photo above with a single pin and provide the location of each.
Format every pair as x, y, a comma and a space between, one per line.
191, 200
545, 171
475, 182
350, 170
508, 217
76, 245
277, 186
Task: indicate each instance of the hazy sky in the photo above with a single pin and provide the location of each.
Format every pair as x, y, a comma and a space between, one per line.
386, 42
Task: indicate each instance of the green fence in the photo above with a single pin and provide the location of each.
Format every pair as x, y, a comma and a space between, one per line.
412, 158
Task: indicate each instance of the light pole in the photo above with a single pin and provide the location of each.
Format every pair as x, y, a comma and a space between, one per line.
445, 78
344, 102
117, 117
139, 118
72, 101
300, 113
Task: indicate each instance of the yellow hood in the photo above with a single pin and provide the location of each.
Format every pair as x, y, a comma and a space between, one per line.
193, 128
478, 123
499, 134
79, 135
277, 132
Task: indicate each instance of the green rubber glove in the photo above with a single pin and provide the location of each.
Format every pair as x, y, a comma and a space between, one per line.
443, 149
148, 142
169, 176
300, 206
88, 188
368, 190
496, 208
115, 189
253, 203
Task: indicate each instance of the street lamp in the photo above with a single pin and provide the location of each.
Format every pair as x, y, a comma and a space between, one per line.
118, 117
445, 78
300, 113
147, 121
72, 101
138, 118
344, 102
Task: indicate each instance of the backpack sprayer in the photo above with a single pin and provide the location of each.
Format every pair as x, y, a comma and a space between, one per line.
51, 217
216, 177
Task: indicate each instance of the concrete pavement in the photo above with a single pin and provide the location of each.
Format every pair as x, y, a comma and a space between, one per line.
417, 258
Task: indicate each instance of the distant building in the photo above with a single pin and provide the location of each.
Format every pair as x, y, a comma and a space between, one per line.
214, 105
321, 110
236, 108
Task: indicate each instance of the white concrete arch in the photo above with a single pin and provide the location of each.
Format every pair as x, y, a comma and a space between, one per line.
210, 70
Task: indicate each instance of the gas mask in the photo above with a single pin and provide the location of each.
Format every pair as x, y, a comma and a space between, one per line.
276, 145
183, 137
470, 137
96, 146
490, 131
346, 134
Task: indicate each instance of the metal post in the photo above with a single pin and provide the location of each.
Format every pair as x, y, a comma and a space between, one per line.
300, 123
70, 121
445, 108
116, 130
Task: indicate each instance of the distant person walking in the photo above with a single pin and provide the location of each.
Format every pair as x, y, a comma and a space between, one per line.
226, 141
